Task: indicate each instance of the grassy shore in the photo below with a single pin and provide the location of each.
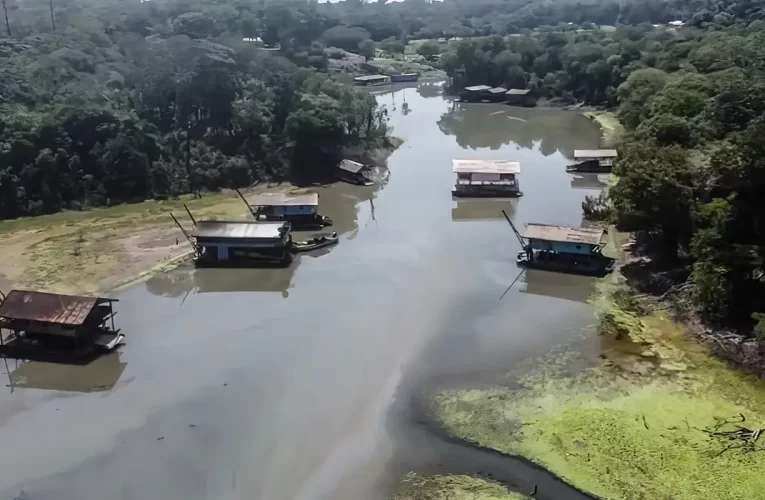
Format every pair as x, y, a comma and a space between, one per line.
609, 124
97, 250
634, 424
417, 487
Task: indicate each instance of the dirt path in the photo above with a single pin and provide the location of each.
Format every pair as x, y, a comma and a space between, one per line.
102, 249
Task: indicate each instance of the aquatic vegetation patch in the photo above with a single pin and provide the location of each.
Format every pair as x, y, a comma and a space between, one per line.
417, 487
655, 417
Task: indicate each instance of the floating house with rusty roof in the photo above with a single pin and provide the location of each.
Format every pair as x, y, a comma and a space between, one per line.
34, 322
486, 178
300, 210
597, 161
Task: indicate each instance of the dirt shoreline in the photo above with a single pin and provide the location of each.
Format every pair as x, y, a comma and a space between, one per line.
104, 249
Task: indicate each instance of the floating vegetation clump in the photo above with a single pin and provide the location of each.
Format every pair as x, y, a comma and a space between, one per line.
656, 417
418, 487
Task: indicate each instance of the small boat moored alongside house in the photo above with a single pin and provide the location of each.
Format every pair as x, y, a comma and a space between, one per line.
596, 161
57, 328
316, 242
404, 77
369, 80
486, 178
241, 243
300, 210
354, 172
563, 249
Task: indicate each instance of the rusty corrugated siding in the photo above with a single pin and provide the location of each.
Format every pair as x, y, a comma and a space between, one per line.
47, 307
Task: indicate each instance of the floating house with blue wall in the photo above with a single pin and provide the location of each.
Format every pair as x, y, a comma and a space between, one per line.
300, 210
235, 243
562, 249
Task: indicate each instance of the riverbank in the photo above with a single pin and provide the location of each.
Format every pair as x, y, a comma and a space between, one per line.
609, 124
98, 250
417, 487
647, 418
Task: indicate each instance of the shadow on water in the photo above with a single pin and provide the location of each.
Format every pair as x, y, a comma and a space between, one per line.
502, 125
99, 375
482, 209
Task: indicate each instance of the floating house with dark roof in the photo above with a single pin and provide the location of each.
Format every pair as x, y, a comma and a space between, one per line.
33, 322
237, 243
486, 178
520, 97
597, 161
300, 210
354, 172
563, 249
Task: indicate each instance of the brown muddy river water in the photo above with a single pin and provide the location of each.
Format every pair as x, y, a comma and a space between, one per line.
293, 384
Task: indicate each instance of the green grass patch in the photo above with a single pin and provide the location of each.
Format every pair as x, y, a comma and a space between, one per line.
417, 487
630, 426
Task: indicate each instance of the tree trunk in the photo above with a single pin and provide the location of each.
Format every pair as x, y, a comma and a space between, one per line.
52, 19
7, 23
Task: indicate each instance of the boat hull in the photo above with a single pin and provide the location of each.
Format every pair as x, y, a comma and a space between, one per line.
587, 169
489, 193
404, 78
317, 242
592, 267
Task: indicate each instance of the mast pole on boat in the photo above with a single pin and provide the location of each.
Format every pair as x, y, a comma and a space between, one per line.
193, 220
193, 245
517, 234
243, 199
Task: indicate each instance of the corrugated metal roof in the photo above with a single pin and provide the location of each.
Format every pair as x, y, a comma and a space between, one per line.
563, 234
350, 166
518, 91
48, 307
594, 153
279, 199
366, 78
477, 88
498, 90
238, 230
486, 167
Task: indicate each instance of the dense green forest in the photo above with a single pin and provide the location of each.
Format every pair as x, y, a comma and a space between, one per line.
107, 102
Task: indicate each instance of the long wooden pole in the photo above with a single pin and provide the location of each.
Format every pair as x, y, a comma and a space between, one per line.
7, 23
52, 18
244, 200
517, 234
193, 221
193, 245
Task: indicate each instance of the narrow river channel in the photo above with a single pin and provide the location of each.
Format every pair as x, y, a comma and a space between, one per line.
295, 384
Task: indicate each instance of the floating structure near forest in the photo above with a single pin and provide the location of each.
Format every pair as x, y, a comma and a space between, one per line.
563, 249
300, 210
596, 161
485, 93
370, 80
486, 178
241, 243
354, 172
57, 328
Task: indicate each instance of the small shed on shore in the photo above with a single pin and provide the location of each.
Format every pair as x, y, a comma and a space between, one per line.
353, 172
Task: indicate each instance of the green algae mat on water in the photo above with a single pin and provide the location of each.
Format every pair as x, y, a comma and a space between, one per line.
636, 425
417, 487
